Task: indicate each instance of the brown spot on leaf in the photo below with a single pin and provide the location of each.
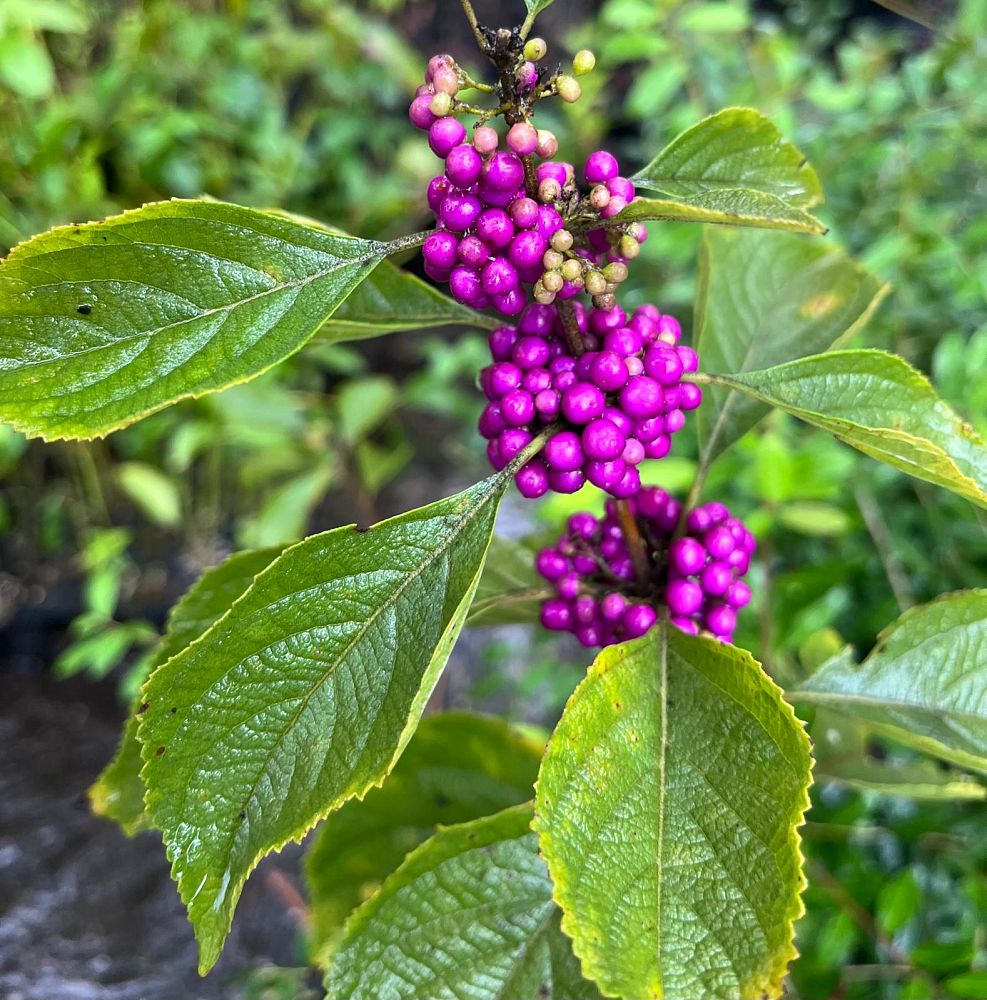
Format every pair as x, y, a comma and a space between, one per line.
159, 751
85, 309
273, 272
143, 708
819, 305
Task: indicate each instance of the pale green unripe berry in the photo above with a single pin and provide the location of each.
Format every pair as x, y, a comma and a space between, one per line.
615, 272
583, 62
569, 89
535, 49
552, 281
552, 260
542, 295
572, 270
562, 240
604, 302
441, 104
596, 284
628, 248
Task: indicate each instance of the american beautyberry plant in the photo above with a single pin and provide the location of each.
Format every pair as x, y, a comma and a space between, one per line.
649, 846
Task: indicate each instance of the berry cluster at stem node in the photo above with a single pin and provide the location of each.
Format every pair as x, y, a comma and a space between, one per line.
696, 576
617, 403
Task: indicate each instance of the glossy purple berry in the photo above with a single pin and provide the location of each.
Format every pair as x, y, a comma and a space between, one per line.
527, 249
439, 250
556, 615
601, 166
602, 441
683, 597
637, 619
564, 452
444, 135
459, 212
532, 479
463, 165
495, 228
524, 212
641, 398
499, 277
582, 402
518, 408
687, 556
504, 172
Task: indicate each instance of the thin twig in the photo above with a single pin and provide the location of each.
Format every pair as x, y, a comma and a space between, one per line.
474, 24
635, 544
881, 535
570, 327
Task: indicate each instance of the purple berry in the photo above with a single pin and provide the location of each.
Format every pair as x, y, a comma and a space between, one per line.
524, 212
582, 403
556, 615
683, 597
637, 620
502, 378
463, 164
686, 556
419, 114
512, 442
613, 606
444, 135
663, 365
608, 370
491, 421
459, 212
601, 166
530, 352
439, 189
499, 277
527, 249
495, 228
518, 408
532, 480
602, 441
563, 452
566, 482
440, 249
721, 620
501, 341
716, 579
504, 172
465, 285
641, 398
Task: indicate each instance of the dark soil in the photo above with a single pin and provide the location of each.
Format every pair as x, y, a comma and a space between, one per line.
85, 913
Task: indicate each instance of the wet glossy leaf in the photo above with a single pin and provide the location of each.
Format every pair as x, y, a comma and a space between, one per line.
305, 694
468, 916
458, 767
922, 684
104, 323
764, 298
667, 808
118, 793
735, 148
880, 405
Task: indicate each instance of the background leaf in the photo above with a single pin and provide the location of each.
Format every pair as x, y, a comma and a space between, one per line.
104, 323
667, 808
727, 207
880, 405
393, 300
510, 591
763, 298
537, 6
922, 684
458, 766
735, 148
305, 694
118, 793
468, 916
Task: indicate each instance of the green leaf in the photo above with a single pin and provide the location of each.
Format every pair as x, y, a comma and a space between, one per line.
877, 403
305, 694
118, 793
537, 6
468, 916
152, 491
284, 516
363, 404
726, 207
25, 65
510, 590
458, 767
765, 298
104, 323
393, 300
667, 808
922, 684
736, 148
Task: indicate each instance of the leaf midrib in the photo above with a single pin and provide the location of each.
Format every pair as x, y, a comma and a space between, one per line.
204, 314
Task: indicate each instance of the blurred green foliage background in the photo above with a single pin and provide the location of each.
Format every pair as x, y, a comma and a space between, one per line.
106, 104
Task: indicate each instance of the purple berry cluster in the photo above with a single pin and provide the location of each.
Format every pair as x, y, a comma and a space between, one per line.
617, 403
697, 576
